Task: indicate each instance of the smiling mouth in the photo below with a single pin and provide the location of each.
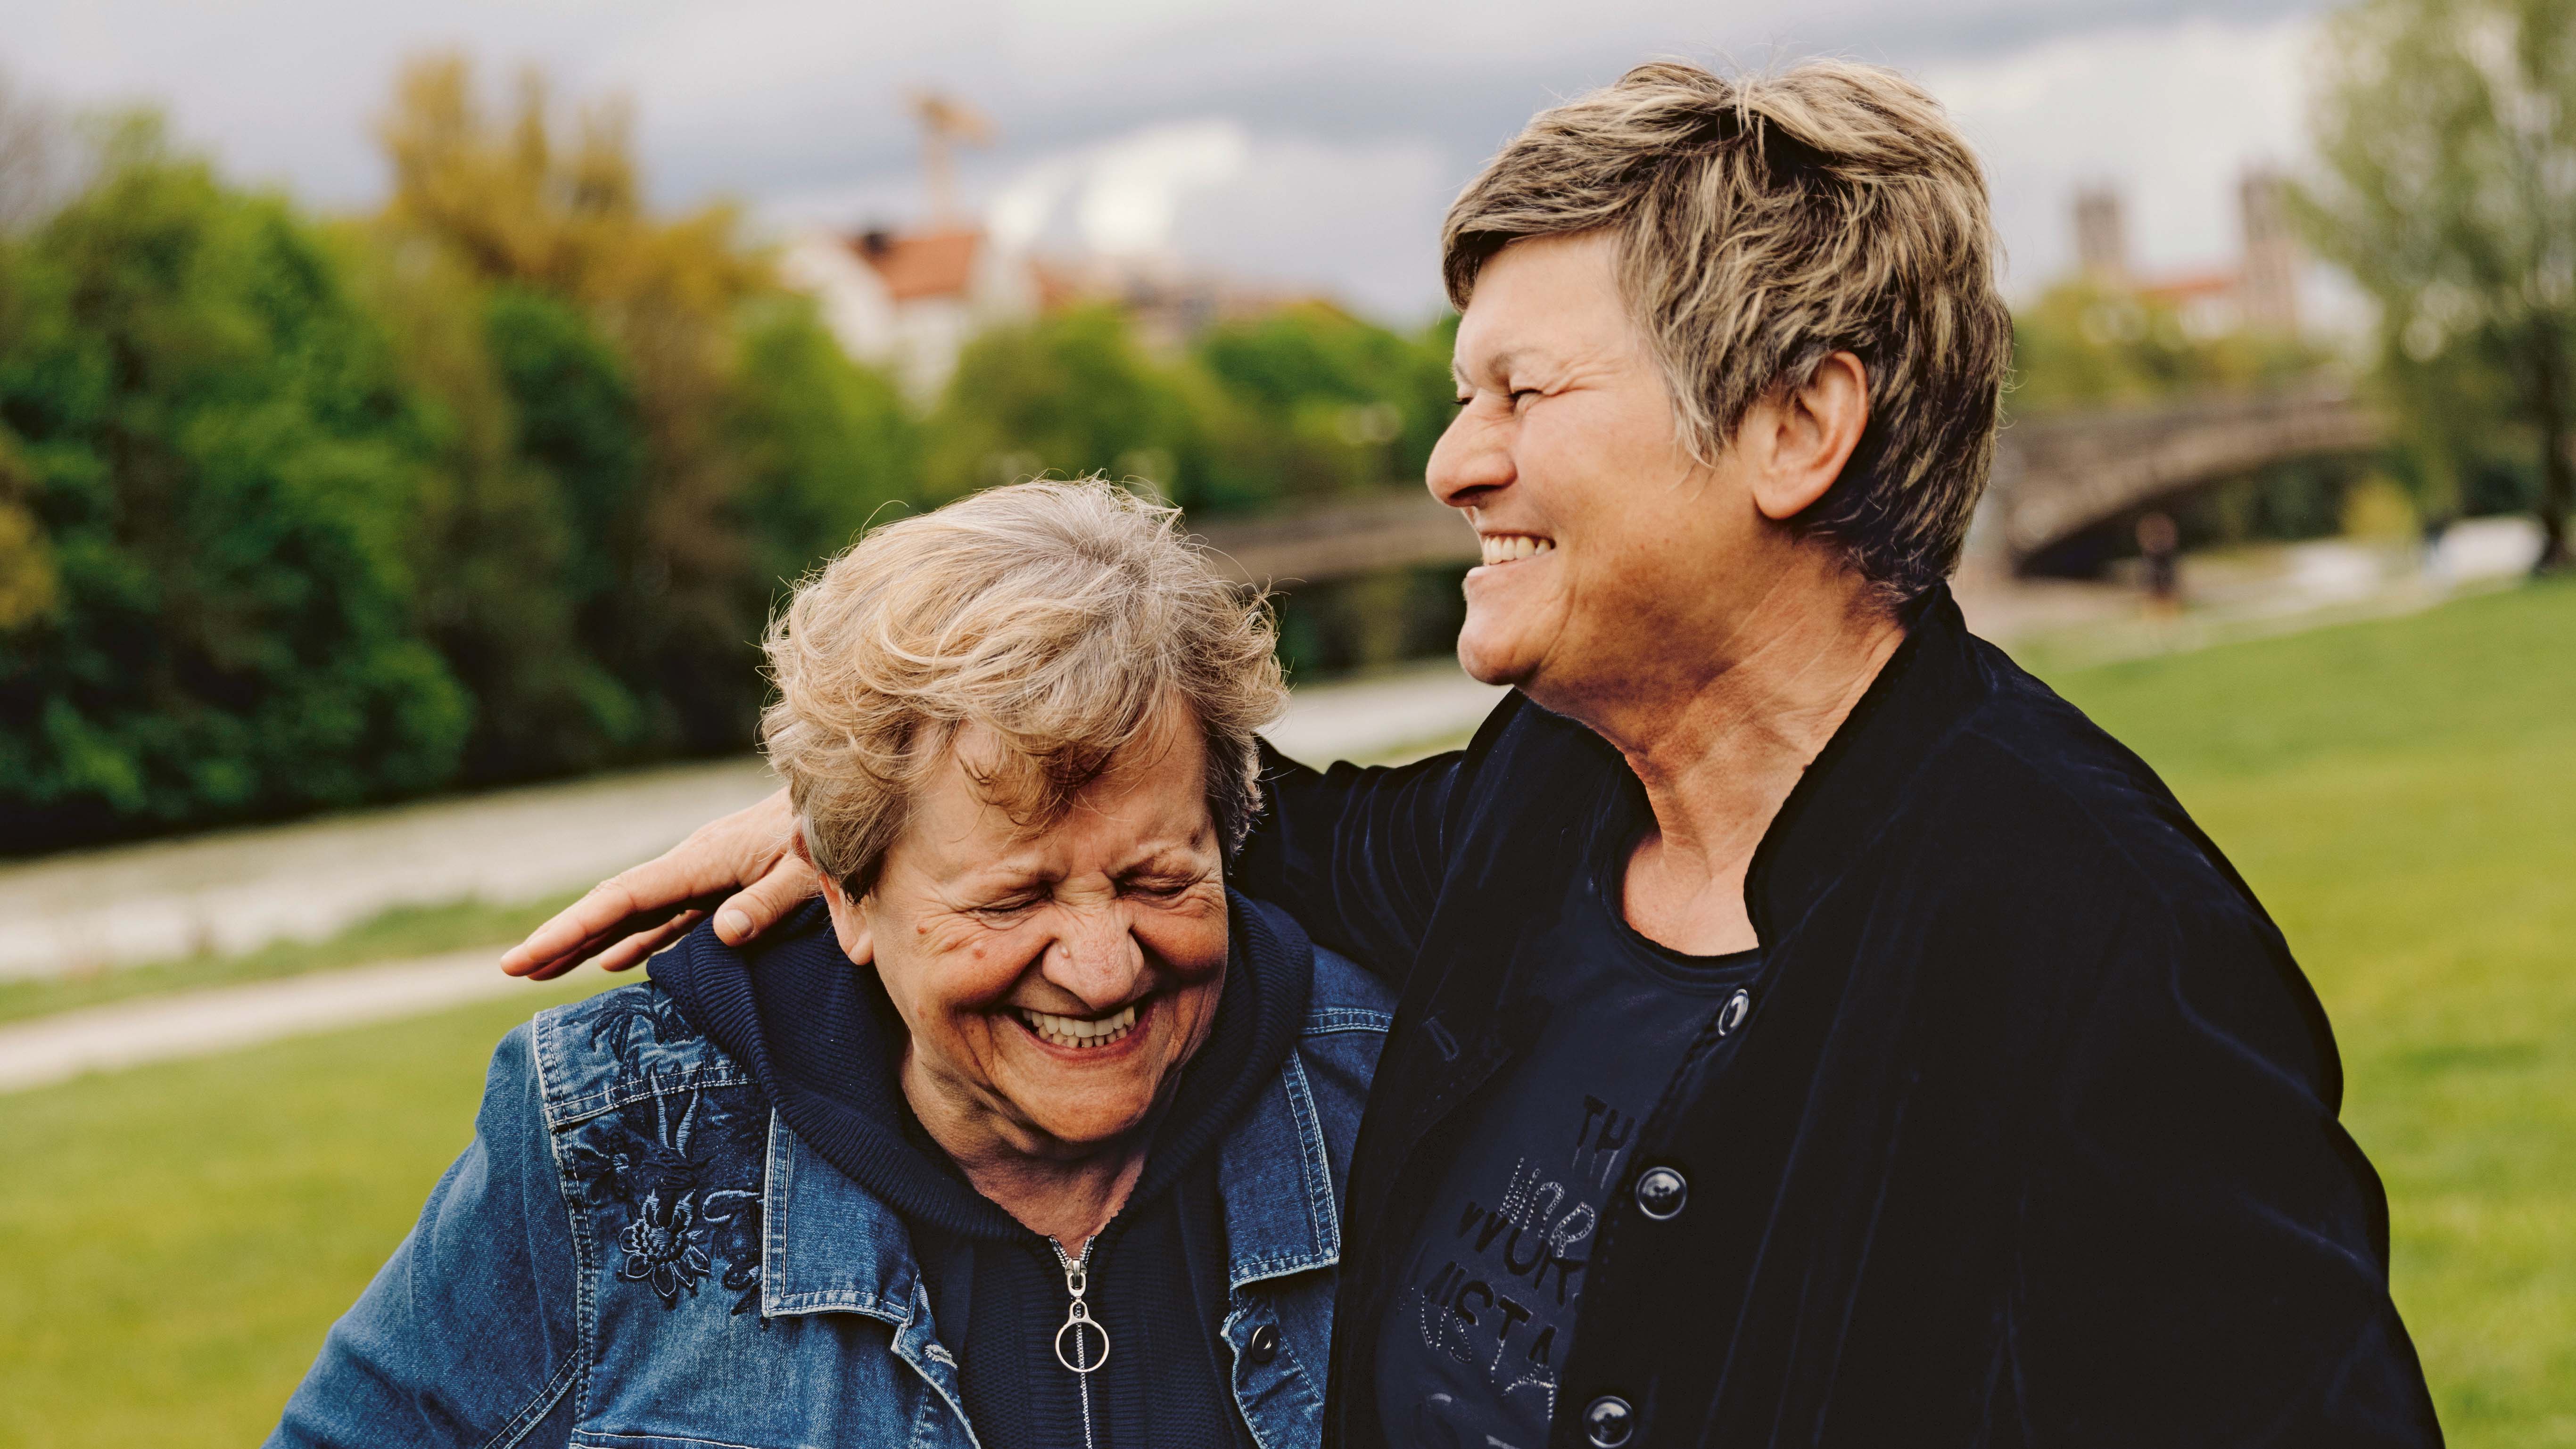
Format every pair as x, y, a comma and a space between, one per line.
1079, 1033
1503, 548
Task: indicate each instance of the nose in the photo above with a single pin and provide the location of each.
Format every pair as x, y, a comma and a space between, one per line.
1471, 460
1095, 956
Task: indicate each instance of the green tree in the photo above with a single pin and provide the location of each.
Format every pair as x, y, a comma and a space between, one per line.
1070, 393
1340, 404
211, 436
2448, 132
577, 431
525, 197
523, 514
702, 442
827, 445
499, 483
2085, 344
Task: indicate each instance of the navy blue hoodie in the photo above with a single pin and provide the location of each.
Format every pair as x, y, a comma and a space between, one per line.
824, 1041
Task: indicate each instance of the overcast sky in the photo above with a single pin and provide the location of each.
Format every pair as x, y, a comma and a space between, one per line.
1311, 144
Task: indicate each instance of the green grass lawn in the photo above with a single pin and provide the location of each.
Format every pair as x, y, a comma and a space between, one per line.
174, 1240
2402, 794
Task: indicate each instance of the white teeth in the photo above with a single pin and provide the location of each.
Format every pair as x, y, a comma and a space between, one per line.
1502, 548
1078, 1032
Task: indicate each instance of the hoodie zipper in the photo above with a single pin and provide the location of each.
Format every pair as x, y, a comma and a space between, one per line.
1077, 1317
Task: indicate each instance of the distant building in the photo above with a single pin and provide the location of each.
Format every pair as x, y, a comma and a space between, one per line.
2268, 295
908, 301
2101, 237
1166, 303
2208, 302
2259, 294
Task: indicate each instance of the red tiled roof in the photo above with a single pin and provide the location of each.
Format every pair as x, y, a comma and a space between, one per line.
2190, 286
921, 264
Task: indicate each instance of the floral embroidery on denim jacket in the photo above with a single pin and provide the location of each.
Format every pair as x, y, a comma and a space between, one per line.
683, 1167
655, 1140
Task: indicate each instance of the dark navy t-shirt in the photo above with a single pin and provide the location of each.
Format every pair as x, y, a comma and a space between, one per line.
1485, 1307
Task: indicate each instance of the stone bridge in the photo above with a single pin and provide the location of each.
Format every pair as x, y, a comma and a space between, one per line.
2054, 478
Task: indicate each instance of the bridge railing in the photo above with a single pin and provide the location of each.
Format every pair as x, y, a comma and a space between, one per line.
2055, 477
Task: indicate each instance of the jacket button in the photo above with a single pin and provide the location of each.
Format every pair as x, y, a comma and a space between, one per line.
1732, 1014
1264, 1345
1661, 1193
1608, 1422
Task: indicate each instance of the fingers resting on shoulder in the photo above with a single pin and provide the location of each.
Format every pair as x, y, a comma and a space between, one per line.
739, 867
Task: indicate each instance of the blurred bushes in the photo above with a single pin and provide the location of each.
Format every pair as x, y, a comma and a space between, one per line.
502, 481
1070, 394
223, 464
1324, 404
1302, 405
497, 484
2082, 344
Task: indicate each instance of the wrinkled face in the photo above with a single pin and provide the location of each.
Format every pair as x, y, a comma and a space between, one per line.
1611, 556
1054, 981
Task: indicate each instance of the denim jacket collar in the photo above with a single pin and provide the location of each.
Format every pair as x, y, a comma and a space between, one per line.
829, 1246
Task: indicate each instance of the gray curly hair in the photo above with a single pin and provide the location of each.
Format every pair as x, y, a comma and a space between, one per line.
1063, 617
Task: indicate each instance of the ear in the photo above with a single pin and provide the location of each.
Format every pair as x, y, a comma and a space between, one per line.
1804, 435
850, 924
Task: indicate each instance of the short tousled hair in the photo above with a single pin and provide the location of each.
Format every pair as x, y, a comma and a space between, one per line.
1762, 223
1063, 617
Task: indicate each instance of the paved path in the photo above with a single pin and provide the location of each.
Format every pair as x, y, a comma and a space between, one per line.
235, 887
54, 1049
237, 890
1369, 718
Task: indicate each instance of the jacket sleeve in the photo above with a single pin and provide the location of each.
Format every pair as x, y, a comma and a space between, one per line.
1357, 854
469, 1335
2208, 1257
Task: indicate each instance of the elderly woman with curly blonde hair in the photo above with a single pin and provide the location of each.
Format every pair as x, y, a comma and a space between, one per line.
1028, 1133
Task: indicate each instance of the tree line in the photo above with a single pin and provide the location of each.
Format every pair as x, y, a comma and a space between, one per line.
500, 481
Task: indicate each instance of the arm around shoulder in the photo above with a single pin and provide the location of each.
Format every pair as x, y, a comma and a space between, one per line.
469, 1335
1358, 854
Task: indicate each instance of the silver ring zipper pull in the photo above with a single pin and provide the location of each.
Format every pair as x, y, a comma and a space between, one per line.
1077, 1317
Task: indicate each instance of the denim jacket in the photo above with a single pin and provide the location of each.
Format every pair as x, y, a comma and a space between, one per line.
635, 1253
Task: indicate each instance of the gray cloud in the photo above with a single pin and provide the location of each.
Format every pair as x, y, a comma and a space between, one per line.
1364, 114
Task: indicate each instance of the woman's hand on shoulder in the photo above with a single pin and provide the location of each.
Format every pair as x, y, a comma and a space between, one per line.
740, 867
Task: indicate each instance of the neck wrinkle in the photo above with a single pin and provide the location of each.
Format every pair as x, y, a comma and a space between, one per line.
1718, 760
1068, 1199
